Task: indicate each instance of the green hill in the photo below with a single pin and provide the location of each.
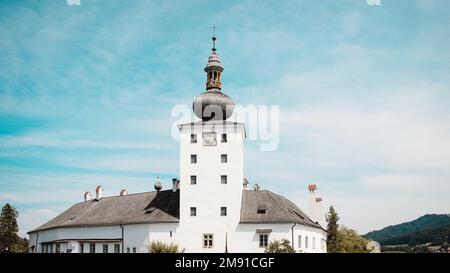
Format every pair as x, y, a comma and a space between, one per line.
434, 228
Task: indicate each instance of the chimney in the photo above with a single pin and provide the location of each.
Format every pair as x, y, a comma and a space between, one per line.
312, 201
175, 183
99, 193
87, 196
318, 210
123, 192
158, 185
245, 184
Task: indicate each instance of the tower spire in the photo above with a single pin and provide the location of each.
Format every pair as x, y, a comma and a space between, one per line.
214, 39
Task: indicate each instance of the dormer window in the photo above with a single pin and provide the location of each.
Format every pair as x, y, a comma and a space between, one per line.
261, 209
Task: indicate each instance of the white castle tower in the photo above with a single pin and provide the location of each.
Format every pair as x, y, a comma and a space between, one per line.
211, 167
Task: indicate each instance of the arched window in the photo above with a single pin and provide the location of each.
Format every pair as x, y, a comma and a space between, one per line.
215, 75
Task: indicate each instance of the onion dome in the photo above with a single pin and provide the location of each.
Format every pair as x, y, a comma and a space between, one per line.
213, 104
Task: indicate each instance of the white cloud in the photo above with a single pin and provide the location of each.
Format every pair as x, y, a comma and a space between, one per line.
373, 2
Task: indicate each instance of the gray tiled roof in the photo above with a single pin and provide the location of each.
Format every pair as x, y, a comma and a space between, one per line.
164, 207
278, 209
147, 207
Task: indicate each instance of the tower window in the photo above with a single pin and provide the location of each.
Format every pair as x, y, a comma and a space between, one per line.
215, 75
207, 240
223, 179
193, 159
193, 179
223, 158
263, 239
224, 138
193, 138
193, 211
223, 211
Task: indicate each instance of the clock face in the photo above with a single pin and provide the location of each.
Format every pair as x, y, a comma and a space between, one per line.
209, 139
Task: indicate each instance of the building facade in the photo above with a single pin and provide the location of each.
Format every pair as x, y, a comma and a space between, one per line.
210, 208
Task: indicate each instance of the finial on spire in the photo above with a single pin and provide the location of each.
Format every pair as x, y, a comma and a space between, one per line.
214, 39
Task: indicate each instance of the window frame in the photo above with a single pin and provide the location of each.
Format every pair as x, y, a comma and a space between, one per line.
194, 159
105, 248
208, 240
224, 179
194, 138
193, 180
224, 158
263, 243
223, 211
91, 247
193, 211
224, 138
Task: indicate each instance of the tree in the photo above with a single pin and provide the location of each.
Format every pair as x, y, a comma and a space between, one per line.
161, 247
8, 229
348, 241
279, 246
332, 230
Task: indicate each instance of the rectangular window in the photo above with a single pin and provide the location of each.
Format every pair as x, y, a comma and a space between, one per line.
81, 247
193, 138
299, 241
58, 248
207, 240
314, 243
134, 250
223, 211
193, 211
105, 248
306, 241
193, 159
223, 179
51, 248
193, 179
322, 243
91, 248
116, 248
128, 250
224, 138
263, 239
223, 158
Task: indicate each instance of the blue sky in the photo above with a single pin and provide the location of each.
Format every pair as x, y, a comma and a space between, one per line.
86, 94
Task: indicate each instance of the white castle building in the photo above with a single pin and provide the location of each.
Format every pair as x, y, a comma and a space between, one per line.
211, 208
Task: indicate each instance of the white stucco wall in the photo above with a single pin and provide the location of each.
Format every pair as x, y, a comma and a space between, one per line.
208, 195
